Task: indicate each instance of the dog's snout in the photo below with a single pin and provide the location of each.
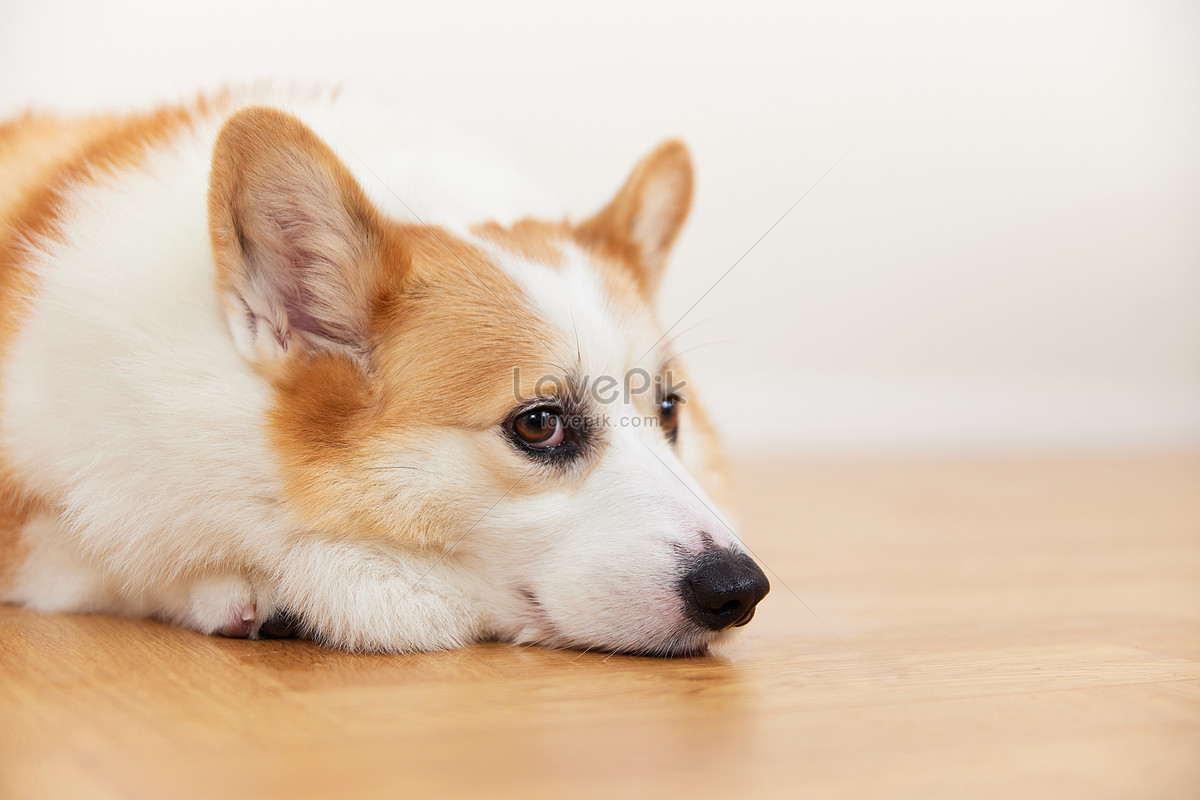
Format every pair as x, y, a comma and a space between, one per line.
722, 588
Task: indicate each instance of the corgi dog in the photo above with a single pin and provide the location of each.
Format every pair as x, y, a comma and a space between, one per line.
284, 364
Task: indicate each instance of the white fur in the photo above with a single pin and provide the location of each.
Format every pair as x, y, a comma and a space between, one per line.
128, 405
598, 568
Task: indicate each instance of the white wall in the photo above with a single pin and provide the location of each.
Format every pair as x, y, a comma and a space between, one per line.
1009, 257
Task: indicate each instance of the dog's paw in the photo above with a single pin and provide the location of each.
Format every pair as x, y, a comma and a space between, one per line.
227, 606
240, 624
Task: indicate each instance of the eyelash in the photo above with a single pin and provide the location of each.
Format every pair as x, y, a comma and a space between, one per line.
671, 430
573, 439
568, 448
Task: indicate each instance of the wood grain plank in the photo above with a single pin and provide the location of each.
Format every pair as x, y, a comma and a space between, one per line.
968, 627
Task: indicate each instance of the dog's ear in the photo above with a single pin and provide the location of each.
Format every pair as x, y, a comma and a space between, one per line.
294, 237
641, 223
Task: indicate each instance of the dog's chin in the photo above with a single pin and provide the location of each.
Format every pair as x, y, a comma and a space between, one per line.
683, 647
687, 641
693, 648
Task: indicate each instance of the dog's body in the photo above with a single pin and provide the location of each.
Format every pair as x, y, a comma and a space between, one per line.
242, 375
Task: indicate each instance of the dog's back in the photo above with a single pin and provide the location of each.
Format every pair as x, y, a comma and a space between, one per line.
46, 162
40, 154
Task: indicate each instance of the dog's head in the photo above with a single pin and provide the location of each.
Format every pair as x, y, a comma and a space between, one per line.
503, 397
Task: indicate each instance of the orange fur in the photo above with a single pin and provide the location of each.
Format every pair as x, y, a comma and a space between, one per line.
531, 239
16, 508
448, 338
270, 170
639, 225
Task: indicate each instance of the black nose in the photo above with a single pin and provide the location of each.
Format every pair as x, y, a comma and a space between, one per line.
722, 588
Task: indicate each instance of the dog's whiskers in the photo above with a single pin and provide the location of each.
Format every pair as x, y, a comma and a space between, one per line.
693, 348
586, 650
670, 341
578, 352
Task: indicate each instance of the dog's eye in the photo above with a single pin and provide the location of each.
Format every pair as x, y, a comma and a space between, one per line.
668, 417
540, 428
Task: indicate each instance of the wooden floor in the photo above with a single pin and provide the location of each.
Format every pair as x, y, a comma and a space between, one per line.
964, 628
